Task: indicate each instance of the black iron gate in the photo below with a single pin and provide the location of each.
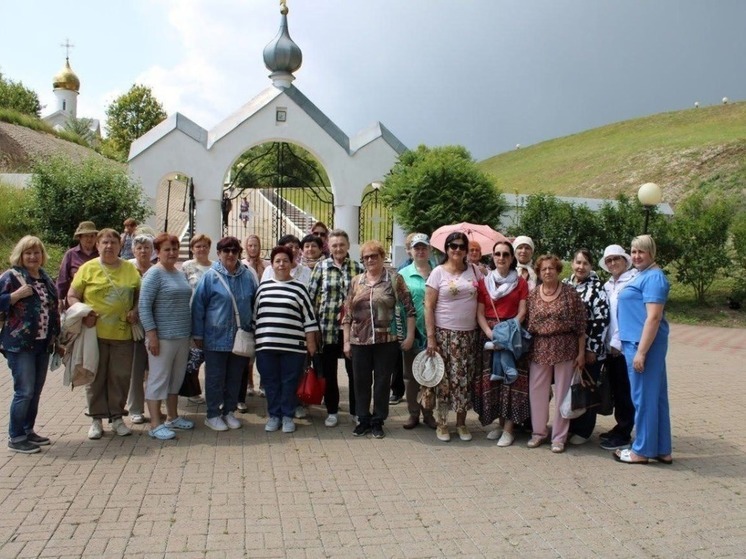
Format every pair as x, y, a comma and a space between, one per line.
276, 190
376, 220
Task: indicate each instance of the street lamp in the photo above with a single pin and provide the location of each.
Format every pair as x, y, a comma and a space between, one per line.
649, 195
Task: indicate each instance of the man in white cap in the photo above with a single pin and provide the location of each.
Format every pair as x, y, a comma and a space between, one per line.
524, 253
619, 264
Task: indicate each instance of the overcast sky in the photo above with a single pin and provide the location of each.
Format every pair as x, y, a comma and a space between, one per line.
488, 74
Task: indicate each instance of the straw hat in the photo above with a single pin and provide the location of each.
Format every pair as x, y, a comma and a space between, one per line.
428, 370
85, 227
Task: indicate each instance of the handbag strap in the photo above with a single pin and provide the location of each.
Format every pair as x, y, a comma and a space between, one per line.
118, 291
233, 299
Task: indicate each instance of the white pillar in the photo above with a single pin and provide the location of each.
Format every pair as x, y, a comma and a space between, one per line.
347, 218
208, 222
398, 245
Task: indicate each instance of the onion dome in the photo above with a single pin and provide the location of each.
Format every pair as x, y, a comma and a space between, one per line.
66, 79
282, 56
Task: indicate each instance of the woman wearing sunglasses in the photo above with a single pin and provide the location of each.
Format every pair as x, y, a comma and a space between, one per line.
214, 329
451, 323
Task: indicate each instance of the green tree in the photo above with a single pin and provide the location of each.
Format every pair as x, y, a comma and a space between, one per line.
14, 95
430, 187
81, 127
130, 115
738, 236
65, 193
700, 228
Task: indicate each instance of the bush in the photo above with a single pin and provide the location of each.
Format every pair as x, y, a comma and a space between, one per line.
15, 218
65, 193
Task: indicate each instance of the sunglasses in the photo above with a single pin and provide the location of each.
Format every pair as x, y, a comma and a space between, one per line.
611, 259
231, 250
501, 254
370, 256
319, 233
456, 246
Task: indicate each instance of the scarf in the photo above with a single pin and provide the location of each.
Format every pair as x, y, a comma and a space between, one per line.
499, 286
529, 269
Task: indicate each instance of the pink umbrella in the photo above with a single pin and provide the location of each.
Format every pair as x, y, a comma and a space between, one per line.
485, 235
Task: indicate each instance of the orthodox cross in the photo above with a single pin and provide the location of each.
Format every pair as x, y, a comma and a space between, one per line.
67, 45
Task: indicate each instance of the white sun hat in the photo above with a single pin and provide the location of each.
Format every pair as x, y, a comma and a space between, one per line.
614, 250
428, 370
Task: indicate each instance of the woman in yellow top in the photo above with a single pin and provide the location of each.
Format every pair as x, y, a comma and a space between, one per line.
109, 285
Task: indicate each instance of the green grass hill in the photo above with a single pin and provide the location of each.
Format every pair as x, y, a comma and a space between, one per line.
678, 150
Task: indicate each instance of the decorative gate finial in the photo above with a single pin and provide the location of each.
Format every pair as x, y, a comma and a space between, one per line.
283, 7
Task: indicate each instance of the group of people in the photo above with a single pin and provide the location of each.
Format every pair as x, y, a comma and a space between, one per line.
505, 332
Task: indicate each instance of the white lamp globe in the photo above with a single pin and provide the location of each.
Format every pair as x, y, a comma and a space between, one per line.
649, 194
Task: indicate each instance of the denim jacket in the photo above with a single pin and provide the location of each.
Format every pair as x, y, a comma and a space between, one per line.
22, 323
213, 319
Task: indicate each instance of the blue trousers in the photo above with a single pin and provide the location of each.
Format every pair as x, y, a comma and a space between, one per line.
29, 370
223, 371
650, 396
280, 371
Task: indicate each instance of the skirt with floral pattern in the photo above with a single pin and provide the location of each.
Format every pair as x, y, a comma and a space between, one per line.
458, 350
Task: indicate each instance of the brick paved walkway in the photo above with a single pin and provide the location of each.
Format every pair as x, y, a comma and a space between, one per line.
323, 493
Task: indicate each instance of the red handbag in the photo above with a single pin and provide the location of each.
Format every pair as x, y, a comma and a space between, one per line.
311, 388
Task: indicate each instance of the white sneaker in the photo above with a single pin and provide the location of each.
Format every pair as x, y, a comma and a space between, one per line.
331, 420
231, 421
506, 439
96, 431
137, 418
494, 434
120, 428
216, 423
301, 412
197, 400
288, 425
273, 424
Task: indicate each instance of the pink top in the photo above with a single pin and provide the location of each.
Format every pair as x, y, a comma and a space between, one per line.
457, 298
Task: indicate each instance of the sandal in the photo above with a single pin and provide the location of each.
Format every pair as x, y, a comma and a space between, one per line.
663, 460
162, 433
536, 441
626, 457
558, 448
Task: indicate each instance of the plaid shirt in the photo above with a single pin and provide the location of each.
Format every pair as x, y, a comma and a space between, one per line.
328, 290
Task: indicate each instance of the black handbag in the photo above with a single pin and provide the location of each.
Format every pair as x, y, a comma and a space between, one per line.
585, 394
605, 395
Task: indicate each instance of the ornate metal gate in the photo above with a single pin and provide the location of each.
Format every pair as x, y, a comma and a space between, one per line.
376, 219
276, 190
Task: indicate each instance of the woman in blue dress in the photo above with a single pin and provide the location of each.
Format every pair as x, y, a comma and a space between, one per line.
643, 330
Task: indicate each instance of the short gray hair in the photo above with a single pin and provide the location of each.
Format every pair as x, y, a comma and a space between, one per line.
143, 240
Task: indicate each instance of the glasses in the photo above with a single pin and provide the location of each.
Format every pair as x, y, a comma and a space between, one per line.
456, 246
501, 254
319, 233
611, 259
370, 256
230, 250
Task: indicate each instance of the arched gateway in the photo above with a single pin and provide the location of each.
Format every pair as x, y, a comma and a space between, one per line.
280, 113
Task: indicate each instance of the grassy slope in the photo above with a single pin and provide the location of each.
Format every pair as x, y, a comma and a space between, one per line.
673, 149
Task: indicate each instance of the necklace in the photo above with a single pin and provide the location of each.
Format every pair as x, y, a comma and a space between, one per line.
552, 294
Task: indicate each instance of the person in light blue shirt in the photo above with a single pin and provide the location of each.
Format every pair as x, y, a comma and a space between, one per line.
643, 330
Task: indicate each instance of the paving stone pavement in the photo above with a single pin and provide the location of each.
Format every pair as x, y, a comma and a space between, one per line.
323, 493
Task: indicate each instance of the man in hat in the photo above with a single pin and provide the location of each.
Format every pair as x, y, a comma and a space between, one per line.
74, 258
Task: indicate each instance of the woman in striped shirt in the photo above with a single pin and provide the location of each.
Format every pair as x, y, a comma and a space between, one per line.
285, 328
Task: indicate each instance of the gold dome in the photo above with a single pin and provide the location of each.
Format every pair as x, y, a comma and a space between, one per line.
66, 79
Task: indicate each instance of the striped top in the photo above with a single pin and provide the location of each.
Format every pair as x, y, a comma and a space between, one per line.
283, 315
164, 303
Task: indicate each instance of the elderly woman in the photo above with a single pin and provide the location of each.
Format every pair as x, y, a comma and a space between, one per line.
502, 296
474, 256
619, 264
591, 292
370, 338
75, 257
110, 286
165, 314
557, 322
194, 269
643, 330
320, 230
32, 322
285, 329
226, 286
142, 248
524, 252
415, 275
328, 288
451, 322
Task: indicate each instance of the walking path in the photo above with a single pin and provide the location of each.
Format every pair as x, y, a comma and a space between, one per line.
323, 493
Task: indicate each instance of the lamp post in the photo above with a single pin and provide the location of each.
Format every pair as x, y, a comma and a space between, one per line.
649, 195
168, 203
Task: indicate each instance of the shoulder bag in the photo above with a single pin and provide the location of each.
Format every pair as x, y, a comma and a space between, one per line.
243, 344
